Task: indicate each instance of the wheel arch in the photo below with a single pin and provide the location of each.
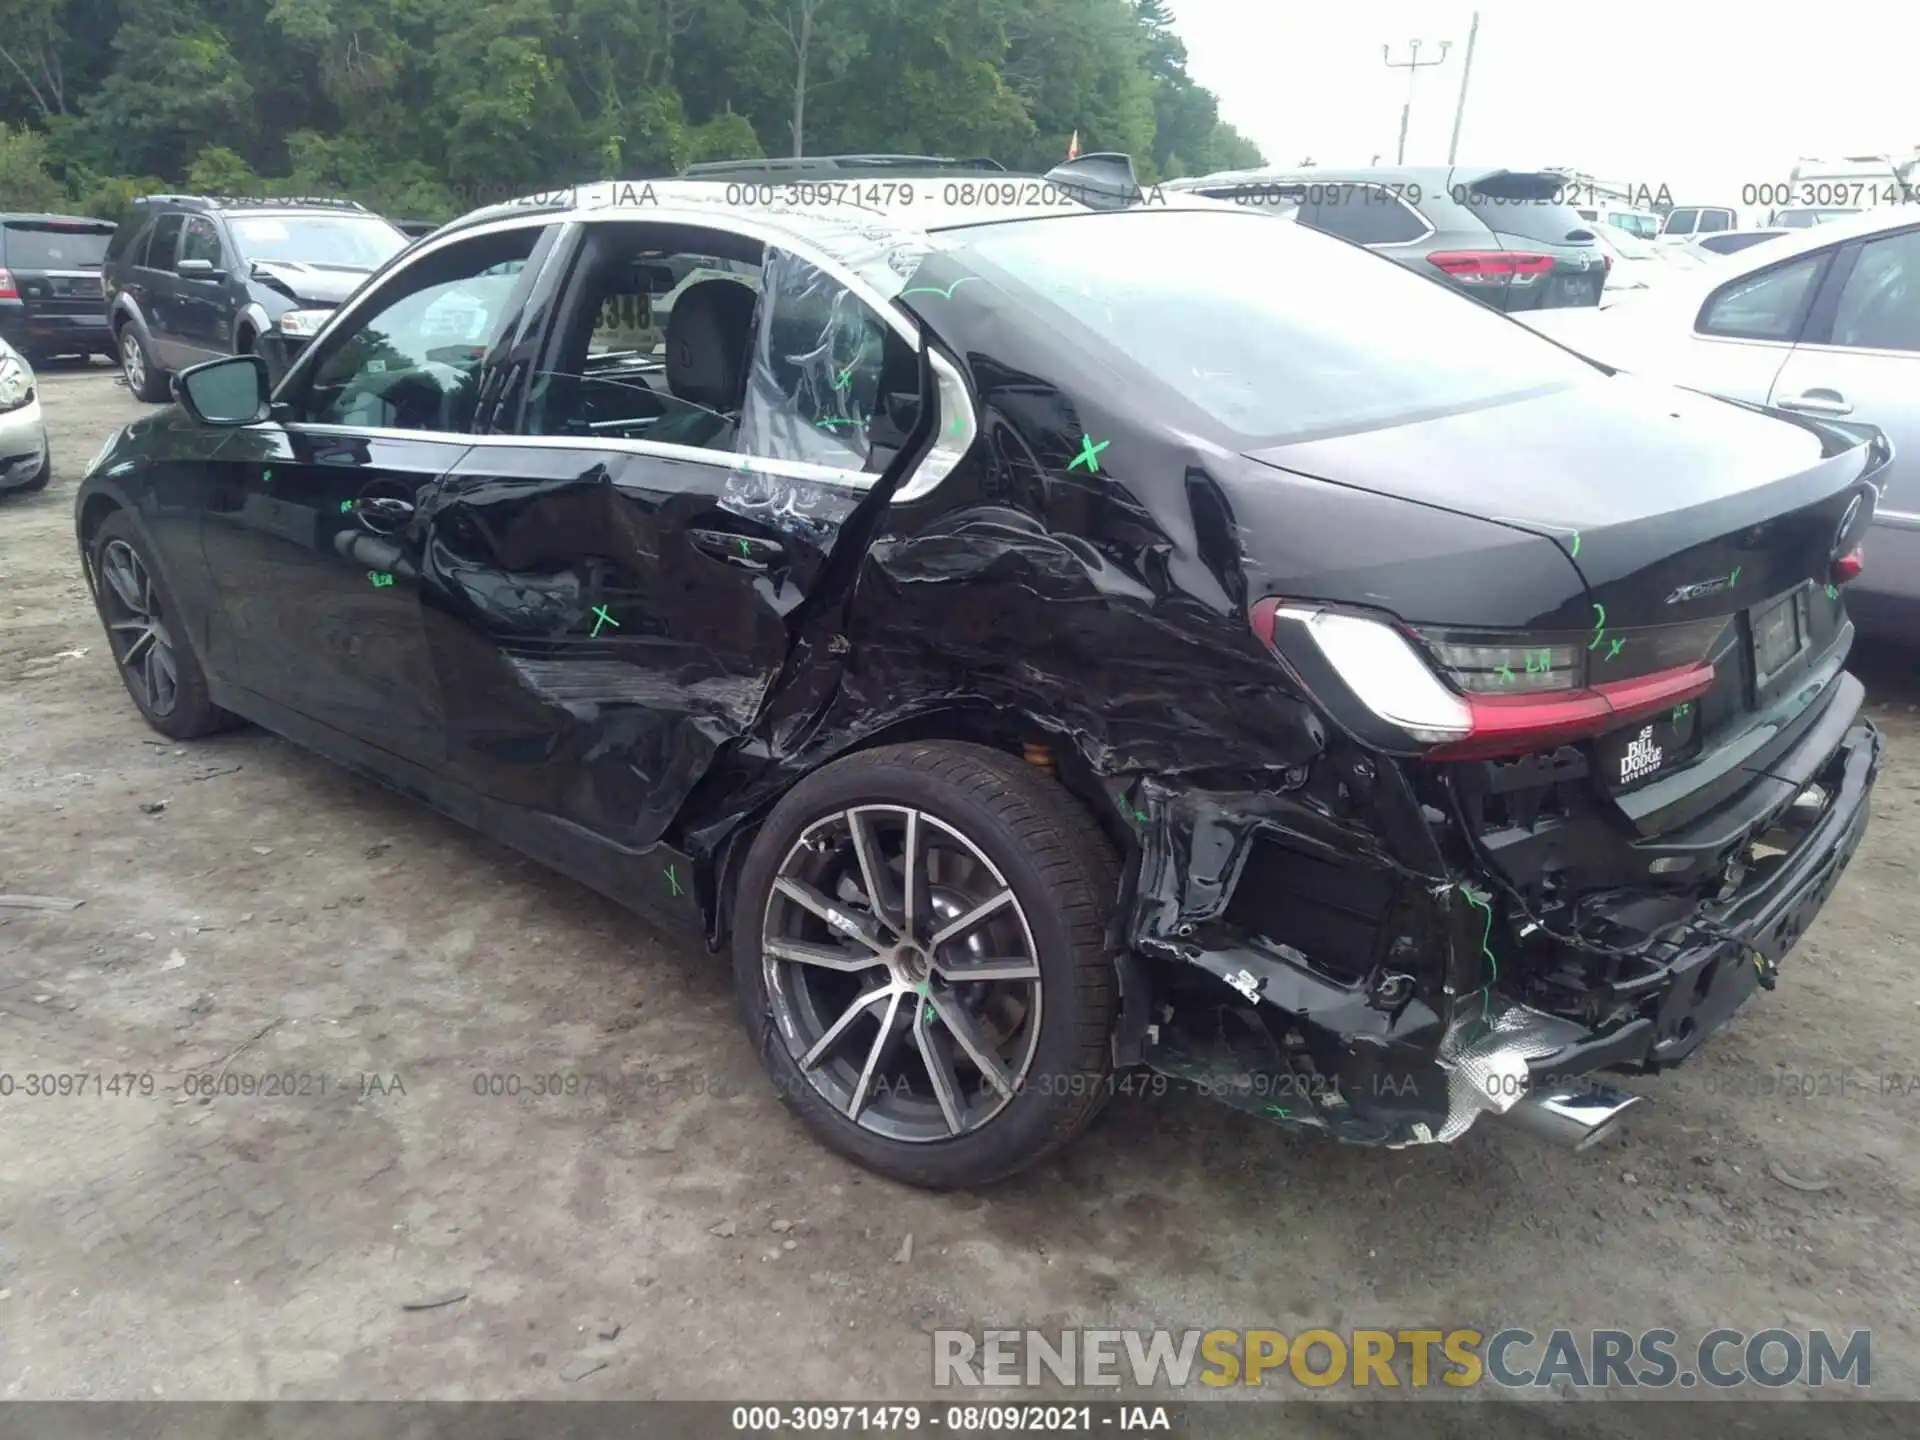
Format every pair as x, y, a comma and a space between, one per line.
1018, 735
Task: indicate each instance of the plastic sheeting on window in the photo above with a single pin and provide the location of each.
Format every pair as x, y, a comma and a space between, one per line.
813, 383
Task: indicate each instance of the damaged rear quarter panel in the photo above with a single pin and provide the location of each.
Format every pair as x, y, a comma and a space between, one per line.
1085, 575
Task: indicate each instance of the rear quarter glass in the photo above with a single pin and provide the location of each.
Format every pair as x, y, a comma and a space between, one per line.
1527, 208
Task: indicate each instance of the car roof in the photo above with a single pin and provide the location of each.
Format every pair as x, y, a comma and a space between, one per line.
1440, 177
804, 165
38, 217
259, 205
883, 240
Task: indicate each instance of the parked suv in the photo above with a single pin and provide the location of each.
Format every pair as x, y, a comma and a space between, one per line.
1507, 237
50, 284
190, 278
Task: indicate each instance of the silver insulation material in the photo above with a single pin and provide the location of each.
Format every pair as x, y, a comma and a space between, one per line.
1486, 1062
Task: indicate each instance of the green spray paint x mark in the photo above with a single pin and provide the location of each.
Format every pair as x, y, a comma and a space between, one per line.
345, 505
946, 294
602, 618
266, 477
1615, 647
1734, 579
1089, 455
378, 579
1599, 626
1576, 545
1505, 673
1278, 1113
674, 881
1833, 593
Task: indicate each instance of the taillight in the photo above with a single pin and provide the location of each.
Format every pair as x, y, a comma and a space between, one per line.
1849, 566
8, 290
1501, 694
1492, 267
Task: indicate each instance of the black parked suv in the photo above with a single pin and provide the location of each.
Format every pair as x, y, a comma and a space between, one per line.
1508, 237
190, 278
50, 284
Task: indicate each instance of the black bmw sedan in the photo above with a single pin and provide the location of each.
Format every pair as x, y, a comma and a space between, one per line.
1055, 650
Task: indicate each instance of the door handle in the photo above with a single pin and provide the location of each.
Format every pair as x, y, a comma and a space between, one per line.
746, 552
1817, 402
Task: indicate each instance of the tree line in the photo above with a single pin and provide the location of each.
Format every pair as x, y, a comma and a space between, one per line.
423, 109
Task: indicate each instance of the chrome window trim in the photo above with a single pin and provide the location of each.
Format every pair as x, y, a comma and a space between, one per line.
934, 467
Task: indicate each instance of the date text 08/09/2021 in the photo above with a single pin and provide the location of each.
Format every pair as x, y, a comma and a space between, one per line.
956, 1419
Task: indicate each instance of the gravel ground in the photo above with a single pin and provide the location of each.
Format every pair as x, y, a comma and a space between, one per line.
277, 917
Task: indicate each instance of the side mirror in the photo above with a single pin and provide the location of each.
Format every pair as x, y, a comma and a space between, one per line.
198, 270
232, 390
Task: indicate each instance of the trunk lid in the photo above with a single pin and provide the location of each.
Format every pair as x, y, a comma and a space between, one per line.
55, 263
1701, 529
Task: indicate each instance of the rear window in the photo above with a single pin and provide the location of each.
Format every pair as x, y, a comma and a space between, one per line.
48, 245
1716, 220
1280, 333
1533, 207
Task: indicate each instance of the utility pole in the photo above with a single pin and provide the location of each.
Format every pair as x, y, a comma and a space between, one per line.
1413, 67
1466, 74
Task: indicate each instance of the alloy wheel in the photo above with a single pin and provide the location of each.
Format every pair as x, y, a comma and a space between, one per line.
132, 360
142, 643
902, 972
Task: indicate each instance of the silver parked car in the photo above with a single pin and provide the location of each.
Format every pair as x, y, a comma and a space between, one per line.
26, 462
1824, 321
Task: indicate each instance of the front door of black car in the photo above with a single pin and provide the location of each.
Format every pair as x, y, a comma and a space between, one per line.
700, 426
201, 315
311, 535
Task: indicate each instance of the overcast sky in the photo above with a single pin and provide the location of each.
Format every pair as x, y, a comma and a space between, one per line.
1703, 95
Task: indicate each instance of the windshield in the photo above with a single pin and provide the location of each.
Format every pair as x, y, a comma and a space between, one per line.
53, 246
356, 242
1279, 332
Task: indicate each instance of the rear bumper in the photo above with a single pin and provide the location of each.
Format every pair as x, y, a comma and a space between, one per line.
1377, 1052
26, 329
1703, 984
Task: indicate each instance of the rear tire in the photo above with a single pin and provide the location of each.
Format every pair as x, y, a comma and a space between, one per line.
955, 1082
149, 643
136, 363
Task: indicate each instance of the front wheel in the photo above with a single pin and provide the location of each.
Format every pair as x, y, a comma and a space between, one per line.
149, 643
920, 955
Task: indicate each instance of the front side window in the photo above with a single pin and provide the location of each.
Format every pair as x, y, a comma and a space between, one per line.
412, 359
200, 241
1768, 306
1711, 220
1682, 222
1282, 334
1879, 306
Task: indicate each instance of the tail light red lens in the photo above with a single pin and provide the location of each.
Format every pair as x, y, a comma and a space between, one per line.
8, 290
1492, 267
1849, 566
1475, 696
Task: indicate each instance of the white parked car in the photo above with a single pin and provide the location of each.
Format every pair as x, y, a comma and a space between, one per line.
1636, 265
26, 462
1825, 322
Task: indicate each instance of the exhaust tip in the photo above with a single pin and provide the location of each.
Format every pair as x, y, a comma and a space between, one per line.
1578, 1119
